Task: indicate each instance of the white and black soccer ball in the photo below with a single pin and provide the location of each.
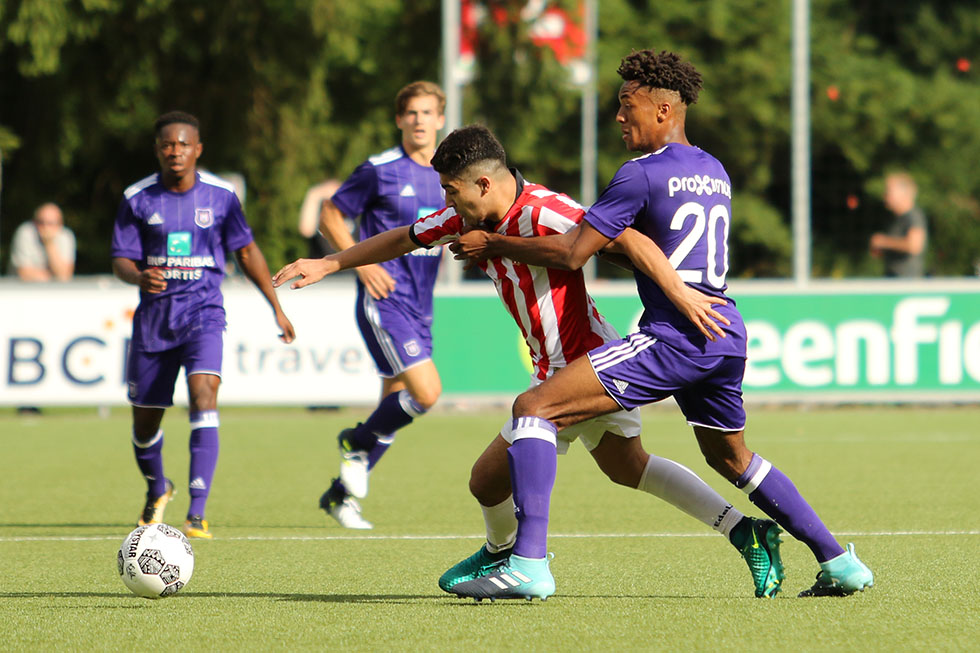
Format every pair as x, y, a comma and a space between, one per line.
155, 561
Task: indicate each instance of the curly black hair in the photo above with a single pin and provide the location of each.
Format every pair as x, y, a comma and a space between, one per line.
173, 117
664, 70
466, 146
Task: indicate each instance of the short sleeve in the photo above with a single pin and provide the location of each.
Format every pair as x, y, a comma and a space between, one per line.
235, 230
441, 227
624, 198
358, 191
66, 243
126, 242
20, 249
917, 218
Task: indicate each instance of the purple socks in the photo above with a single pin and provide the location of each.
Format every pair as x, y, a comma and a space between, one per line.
774, 494
533, 464
204, 458
375, 435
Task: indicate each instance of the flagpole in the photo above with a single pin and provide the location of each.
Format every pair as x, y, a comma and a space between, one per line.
454, 104
590, 107
450, 74
590, 113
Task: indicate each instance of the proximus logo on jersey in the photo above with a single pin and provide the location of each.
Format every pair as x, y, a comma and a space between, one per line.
699, 185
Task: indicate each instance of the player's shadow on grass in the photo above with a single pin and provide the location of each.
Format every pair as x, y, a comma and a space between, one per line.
345, 598
69, 595
276, 596
71, 525
340, 598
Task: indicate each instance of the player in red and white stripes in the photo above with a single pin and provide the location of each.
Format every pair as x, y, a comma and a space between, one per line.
560, 323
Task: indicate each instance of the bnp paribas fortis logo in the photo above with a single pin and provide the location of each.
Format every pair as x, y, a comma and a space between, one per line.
179, 243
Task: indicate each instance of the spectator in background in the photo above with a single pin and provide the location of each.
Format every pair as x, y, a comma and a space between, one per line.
43, 249
903, 244
309, 217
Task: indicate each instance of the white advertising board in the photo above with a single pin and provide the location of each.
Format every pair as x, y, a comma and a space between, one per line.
65, 344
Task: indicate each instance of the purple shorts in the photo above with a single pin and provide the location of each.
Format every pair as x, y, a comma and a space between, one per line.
640, 370
151, 375
395, 339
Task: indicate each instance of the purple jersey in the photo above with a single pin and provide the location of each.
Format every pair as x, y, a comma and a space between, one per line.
186, 235
391, 190
680, 197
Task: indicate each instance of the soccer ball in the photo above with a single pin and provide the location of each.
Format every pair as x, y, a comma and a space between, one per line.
155, 561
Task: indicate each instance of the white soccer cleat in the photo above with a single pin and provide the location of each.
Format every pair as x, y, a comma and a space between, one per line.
348, 514
354, 473
353, 466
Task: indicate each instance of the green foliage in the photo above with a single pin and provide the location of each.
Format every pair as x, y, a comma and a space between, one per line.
292, 92
902, 104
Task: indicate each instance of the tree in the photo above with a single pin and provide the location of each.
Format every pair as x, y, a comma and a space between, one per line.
292, 92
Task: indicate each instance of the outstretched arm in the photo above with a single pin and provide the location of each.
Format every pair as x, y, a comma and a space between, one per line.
375, 278
253, 264
382, 247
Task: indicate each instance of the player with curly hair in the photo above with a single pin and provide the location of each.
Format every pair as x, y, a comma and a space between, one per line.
561, 323
680, 197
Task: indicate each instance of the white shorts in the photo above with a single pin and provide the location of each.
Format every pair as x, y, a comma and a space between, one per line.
625, 423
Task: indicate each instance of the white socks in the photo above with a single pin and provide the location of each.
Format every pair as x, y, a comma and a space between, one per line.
682, 488
501, 525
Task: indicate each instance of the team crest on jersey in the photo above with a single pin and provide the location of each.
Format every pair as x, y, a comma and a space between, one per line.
412, 348
203, 218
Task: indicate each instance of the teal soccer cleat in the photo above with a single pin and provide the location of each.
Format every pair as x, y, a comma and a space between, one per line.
841, 576
761, 552
517, 578
479, 564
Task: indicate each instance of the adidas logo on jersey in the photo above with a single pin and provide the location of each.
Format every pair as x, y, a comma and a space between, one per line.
198, 484
620, 385
155, 219
407, 191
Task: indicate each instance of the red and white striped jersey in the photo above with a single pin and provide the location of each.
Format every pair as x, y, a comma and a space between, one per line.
556, 315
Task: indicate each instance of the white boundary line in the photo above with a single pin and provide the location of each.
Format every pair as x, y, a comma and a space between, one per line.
333, 538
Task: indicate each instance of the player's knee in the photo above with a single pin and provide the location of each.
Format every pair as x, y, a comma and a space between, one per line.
427, 397
203, 398
477, 486
480, 488
527, 405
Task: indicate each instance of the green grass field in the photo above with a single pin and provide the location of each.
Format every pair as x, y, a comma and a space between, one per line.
633, 574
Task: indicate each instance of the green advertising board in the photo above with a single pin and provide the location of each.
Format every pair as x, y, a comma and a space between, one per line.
829, 341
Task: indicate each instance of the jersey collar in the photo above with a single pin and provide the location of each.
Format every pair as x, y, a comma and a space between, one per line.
519, 178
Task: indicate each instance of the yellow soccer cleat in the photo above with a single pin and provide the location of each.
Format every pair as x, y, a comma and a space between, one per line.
153, 510
195, 526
